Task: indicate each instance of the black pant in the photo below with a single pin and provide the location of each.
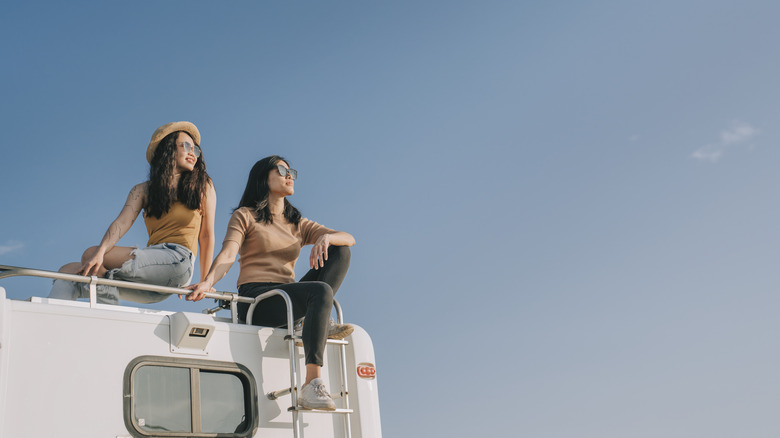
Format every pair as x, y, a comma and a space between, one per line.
312, 298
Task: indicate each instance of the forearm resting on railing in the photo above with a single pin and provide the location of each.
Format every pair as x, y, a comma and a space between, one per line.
220, 267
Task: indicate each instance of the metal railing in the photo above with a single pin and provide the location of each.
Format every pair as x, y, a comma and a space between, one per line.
233, 299
94, 281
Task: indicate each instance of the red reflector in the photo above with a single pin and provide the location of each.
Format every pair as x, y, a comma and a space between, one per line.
366, 370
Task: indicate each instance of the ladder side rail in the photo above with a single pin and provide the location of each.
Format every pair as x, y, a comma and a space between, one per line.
343, 363
271, 293
297, 430
344, 390
339, 313
13, 271
342, 358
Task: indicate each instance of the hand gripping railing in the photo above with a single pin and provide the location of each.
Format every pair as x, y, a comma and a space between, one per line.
93, 281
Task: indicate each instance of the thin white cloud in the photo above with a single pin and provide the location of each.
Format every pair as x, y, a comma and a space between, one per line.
738, 132
708, 153
10, 246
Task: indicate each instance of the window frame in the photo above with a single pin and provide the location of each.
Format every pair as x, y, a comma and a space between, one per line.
195, 366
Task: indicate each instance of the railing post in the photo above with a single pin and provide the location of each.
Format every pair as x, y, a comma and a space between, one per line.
93, 292
234, 311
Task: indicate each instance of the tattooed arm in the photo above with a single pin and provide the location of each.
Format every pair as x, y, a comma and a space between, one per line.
135, 202
206, 237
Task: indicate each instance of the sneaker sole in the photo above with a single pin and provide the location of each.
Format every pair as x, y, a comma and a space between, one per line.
338, 336
342, 334
318, 409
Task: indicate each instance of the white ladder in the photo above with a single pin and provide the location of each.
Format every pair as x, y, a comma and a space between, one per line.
294, 374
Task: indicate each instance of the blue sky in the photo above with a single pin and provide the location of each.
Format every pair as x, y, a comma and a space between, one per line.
565, 212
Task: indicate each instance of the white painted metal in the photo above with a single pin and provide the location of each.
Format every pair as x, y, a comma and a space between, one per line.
62, 365
181, 326
13, 271
93, 291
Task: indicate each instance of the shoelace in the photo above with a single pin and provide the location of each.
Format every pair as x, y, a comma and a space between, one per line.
333, 326
321, 391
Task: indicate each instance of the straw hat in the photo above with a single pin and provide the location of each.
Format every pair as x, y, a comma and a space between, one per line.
168, 128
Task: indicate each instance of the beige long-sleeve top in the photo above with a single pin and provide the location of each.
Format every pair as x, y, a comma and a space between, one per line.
268, 252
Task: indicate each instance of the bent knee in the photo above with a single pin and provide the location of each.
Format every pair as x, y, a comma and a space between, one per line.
88, 253
70, 268
321, 290
340, 252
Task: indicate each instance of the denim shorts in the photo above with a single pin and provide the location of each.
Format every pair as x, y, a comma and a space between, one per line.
164, 264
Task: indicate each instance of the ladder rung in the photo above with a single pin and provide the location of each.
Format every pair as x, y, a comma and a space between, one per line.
276, 394
330, 341
321, 411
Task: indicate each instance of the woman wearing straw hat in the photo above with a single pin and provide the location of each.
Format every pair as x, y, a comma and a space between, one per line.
268, 233
178, 202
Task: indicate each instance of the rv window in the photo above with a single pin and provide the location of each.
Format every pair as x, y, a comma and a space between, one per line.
172, 396
162, 399
221, 402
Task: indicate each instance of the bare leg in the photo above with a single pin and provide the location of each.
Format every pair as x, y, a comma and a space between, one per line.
66, 290
313, 371
70, 268
113, 259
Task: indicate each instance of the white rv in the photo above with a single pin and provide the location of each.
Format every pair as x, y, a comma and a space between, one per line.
84, 369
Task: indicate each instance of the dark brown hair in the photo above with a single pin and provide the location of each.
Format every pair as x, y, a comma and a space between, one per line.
162, 194
256, 192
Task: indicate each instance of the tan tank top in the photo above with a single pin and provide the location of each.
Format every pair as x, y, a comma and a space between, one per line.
180, 225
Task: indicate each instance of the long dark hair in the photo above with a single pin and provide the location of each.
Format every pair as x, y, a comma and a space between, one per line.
162, 193
255, 195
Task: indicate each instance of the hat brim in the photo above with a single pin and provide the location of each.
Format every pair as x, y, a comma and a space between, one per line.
168, 128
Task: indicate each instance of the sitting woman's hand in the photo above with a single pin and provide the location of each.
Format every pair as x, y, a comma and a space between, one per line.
92, 265
319, 252
199, 291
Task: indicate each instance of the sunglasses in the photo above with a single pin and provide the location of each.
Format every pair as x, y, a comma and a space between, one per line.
189, 147
284, 171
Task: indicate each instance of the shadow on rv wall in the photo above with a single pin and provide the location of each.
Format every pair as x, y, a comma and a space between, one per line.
265, 345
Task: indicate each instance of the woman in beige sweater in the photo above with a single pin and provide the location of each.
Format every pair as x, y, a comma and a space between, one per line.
268, 233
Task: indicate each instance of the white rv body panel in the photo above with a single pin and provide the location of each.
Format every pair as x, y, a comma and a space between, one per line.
63, 364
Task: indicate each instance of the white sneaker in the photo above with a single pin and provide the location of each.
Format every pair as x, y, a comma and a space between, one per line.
314, 396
